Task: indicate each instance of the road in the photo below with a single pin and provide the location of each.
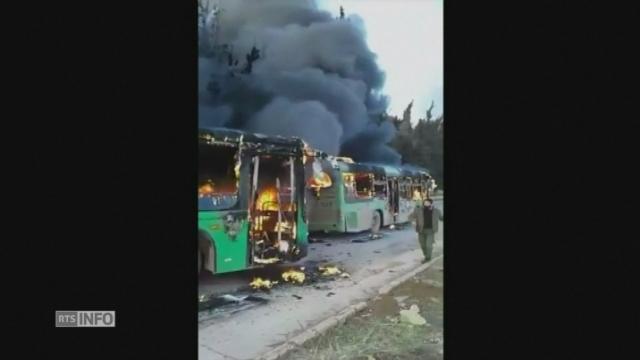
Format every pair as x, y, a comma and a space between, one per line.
245, 332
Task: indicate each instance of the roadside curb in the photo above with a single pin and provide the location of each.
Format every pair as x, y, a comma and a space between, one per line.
339, 318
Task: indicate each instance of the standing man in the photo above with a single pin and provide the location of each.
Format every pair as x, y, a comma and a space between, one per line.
427, 217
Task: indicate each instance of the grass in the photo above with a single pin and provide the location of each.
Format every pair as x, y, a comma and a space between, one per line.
366, 339
376, 333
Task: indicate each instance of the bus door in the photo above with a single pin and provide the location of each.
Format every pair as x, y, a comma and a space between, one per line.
393, 198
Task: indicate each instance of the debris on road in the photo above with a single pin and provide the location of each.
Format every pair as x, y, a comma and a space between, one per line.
294, 276
297, 296
207, 302
330, 294
368, 238
259, 283
412, 316
329, 270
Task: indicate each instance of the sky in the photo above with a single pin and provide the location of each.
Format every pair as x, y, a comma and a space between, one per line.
407, 36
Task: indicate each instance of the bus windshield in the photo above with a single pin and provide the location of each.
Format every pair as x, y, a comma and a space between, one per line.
218, 169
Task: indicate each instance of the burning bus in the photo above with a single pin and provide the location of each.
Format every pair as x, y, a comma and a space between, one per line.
250, 200
345, 196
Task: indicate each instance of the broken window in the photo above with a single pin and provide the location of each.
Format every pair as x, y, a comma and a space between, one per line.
218, 168
318, 175
405, 188
418, 190
358, 186
379, 186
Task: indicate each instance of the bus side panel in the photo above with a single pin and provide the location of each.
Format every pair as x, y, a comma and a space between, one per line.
302, 233
230, 252
406, 208
358, 216
324, 212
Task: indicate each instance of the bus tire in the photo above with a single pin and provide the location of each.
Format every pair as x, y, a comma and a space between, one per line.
199, 262
376, 222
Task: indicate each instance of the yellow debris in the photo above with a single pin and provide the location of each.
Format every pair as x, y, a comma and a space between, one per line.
329, 270
259, 283
293, 276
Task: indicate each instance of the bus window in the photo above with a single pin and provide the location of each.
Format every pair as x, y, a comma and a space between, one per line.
358, 186
380, 189
318, 177
405, 189
418, 191
217, 177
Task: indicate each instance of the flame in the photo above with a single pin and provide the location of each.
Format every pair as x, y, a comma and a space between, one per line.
209, 188
293, 276
268, 201
206, 189
320, 180
259, 283
417, 195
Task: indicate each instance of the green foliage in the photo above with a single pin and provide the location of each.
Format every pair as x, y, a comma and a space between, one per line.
422, 145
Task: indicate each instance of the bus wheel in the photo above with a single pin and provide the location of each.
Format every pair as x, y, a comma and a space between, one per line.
376, 222
199, 262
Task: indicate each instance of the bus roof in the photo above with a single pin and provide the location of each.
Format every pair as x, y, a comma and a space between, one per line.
232, 136
400, 170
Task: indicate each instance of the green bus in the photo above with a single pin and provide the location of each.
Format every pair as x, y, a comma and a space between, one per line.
348, 197
250, 200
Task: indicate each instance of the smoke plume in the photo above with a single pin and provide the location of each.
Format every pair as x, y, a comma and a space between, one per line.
284, 67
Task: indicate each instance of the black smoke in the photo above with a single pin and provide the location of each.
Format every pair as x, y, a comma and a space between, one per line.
310, 74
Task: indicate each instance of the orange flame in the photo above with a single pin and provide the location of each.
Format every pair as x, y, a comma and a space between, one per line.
268, 201
209, 188
320, 180
206, 189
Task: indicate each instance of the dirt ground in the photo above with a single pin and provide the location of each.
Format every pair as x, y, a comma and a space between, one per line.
377, 333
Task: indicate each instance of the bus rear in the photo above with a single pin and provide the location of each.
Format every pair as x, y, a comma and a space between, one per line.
250, 200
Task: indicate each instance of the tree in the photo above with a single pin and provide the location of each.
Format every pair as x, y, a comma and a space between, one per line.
251, 58
422, 144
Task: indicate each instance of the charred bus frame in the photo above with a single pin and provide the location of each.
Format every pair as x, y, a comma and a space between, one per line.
344, 196
250, 200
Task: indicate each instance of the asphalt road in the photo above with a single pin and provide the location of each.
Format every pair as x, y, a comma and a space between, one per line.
286, 310
337, 249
